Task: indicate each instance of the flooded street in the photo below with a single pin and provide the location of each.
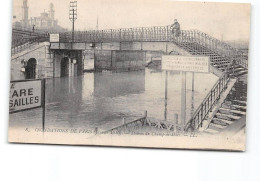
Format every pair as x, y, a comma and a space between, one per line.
103, 99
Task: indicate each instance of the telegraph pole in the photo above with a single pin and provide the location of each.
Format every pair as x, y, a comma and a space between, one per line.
73, 16
192, 96
183, 98
97, 23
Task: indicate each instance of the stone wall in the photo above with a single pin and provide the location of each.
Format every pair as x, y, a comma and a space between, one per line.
48, 62
75, 63
119, 60
165, 47
128, 60
37, 52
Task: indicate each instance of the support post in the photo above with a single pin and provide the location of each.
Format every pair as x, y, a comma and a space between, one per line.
73, 24
43, 103
183, 98
166, 95
73, 17
192, 95
175, 121
96, 131
145, 114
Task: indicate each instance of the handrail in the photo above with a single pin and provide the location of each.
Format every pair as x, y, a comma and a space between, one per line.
158, 33
221, 48
164, 33
208, 102
23, 43
23, 39
20, 45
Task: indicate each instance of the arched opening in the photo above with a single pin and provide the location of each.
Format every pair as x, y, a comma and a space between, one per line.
30, 69
64, 68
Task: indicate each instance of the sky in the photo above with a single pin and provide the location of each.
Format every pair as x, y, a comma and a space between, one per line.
228, 20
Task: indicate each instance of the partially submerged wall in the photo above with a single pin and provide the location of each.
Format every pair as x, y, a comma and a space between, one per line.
37, 52
119, 60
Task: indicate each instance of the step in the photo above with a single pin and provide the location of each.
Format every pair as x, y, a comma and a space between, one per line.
221, 68
239, 69
225, 64
229, 116
240, 102
238, 66
210, 131
239, 107
234, 102
222, 122
241, 73
216, 56
233, 107
216, 127
220, 62
231, 111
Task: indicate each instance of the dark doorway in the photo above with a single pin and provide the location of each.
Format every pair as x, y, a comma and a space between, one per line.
30, 69
64, 67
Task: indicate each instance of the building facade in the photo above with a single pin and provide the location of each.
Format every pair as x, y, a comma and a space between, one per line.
46, 21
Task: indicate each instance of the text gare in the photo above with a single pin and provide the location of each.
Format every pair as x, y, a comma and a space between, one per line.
22, 97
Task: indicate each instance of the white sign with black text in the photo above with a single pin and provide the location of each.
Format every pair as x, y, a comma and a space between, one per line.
186, 63
25, 95
54, 37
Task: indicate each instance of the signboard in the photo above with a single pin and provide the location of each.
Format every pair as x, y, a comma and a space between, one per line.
25, 95
54, 37
186, 63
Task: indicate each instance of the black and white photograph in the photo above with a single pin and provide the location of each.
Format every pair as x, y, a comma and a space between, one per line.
129, 91
129, 73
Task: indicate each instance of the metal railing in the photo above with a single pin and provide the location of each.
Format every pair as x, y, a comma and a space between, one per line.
20, 45
164, 33
160, 34
217, 46
141, 122
209, 101
23, 39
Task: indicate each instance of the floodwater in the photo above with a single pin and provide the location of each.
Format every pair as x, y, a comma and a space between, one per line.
103, 99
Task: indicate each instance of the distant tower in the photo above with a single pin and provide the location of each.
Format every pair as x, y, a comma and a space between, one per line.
51, 15
51, 11
97, 23
25, 13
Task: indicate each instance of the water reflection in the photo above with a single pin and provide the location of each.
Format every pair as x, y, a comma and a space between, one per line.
65, 89
118, 84
103, 99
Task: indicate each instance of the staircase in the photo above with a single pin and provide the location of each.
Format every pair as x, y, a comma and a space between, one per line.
231, 110
218, 61
230, 61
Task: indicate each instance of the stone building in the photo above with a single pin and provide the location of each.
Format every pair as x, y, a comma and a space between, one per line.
46, 21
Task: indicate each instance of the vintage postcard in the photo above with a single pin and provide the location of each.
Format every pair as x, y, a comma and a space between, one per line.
131, 73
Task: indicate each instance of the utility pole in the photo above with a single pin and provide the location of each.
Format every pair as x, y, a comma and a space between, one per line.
192, 96
73, 16
97, 23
